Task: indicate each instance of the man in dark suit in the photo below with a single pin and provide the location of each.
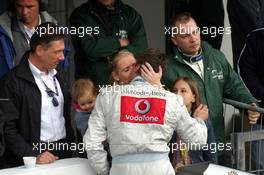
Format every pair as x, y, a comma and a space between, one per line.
40, 120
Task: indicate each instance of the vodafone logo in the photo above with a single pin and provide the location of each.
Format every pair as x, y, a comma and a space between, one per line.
142, 106
142, 110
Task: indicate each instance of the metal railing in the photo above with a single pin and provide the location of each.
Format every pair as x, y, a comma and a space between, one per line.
243, 136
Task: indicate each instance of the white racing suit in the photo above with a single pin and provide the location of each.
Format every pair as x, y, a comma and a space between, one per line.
138, 121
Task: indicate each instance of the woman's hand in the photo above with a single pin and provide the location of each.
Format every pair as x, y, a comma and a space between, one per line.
150, 75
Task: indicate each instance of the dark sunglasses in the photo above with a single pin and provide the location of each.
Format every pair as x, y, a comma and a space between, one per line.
54, 100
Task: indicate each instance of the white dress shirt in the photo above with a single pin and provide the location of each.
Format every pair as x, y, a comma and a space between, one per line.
198, 67
52, 120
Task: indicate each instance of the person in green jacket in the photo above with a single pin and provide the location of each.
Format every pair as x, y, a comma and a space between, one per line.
209, 68
112, 26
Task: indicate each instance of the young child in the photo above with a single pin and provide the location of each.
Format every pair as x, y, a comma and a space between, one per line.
84, 94
188, 89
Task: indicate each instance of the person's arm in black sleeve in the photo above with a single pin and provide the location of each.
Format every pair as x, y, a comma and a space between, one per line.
2, 122
248, 66
14, 141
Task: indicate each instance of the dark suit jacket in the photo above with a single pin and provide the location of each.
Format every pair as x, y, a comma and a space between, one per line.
22, 126
2, 141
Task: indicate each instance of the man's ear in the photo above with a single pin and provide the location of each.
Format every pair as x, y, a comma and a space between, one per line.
39, 50
173, 39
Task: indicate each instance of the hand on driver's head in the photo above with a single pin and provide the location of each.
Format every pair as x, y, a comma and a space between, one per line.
150, 75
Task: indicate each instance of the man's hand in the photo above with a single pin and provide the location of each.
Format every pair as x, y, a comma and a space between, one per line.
124, 42
46, 158
253, 116
201, 112
150, 75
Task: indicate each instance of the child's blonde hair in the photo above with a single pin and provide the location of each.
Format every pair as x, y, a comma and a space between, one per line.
81, 86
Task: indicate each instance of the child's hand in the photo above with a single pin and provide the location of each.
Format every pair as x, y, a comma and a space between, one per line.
179, 166
201, 112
